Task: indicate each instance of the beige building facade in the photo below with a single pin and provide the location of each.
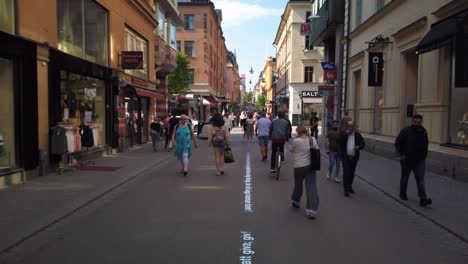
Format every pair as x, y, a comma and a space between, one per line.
298, 66
422, 73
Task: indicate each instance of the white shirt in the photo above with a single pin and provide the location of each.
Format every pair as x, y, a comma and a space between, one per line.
301, 149
351, 145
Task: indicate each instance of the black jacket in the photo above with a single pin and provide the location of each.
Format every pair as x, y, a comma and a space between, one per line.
413, 143
342, 143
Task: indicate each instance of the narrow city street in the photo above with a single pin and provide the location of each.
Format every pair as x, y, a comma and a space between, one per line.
244, 216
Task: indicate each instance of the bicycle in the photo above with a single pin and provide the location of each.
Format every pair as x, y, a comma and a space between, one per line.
279, 160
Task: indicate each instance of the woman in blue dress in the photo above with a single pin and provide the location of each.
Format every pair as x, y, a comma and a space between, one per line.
182, 140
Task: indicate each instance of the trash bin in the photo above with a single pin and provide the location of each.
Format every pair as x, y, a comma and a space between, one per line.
43, 162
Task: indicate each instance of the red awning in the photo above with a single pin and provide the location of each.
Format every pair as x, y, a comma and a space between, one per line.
148, 93
211, 99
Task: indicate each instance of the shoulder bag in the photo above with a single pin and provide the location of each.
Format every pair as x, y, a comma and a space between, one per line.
314, 157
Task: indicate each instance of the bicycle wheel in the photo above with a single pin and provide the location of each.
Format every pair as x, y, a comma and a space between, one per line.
278, 164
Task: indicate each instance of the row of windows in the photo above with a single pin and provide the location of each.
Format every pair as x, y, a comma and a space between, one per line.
379, 4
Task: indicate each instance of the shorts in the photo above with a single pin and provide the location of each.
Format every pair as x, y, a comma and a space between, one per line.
263, 140
219, 144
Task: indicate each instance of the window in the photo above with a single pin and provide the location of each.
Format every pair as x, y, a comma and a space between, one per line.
191, 78
172, 35
308, 43
179, 47
133, 42
82, 30
380, 4
308, 74
358, 12
189, 22
7, 16
7, 116
161, 22
308, 14
189, 48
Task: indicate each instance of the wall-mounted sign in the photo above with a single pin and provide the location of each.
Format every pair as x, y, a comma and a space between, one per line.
305, 94
306, 29
375, 69
132, 60
328, 66
326, 88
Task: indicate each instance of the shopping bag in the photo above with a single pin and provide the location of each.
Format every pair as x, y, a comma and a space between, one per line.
228, 157
315, 157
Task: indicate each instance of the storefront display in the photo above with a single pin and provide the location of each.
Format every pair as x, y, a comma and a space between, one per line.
82, 104
7, 115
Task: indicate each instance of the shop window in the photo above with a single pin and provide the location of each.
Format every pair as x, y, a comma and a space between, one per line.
308, 74
82, 30
191, 78
7, 116
189, 48
161, 22
7, 16
82, 101
189, 22
133, 42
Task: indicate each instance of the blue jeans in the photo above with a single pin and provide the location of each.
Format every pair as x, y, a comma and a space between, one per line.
334, 159
418, 168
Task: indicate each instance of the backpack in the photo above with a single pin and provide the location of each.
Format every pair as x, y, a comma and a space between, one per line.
219, 135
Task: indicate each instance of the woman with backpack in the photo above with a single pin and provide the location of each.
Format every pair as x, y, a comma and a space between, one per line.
182, 141
219, 139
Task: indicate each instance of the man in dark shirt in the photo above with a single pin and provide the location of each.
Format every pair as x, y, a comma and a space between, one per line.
156, 132
172, 124
314, 125
332, 151
412, 143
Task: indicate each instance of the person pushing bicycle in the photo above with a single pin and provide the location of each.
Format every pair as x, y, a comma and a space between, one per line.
280, 133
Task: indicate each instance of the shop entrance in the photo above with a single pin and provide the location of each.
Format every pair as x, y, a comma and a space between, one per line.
411, 86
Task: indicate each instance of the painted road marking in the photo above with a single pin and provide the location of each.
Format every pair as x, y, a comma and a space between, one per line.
248, 188
247, 248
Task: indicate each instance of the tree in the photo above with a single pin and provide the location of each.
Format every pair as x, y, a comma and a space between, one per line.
249, 97
179, 78
261, 100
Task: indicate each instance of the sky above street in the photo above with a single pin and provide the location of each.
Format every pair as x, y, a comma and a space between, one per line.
250, 27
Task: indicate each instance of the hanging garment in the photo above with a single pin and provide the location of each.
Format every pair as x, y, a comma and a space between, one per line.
70, 140
86, 136
77, 137
58, 141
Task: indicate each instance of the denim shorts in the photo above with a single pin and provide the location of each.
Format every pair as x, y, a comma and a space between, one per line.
219, 144
263, 140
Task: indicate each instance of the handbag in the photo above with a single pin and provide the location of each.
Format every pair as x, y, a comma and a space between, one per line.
228, 157
315, 157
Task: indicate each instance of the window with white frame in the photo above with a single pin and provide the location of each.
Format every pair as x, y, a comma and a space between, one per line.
308, 74
358, 12
189, 22
189, 48
172, 35
133, 42
160, 16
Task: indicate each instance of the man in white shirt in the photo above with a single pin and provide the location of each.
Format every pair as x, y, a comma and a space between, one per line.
349, 145
227, 122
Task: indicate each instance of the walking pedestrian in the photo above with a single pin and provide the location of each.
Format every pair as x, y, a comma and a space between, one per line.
218, 137
303, 173
343, 122
262, 131
182, 140
279, 133
332, 151
227, 122
314, 125
412, 143
167, 130
249, 128
349, 145
173, 122
156, 132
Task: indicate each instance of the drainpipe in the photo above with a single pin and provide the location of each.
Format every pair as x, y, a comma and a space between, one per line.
345, 88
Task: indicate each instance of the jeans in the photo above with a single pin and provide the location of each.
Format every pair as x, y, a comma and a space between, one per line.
305, 174
334, 159
418, 168
314, 132
349, 170
168, 139
274, 148
155, 140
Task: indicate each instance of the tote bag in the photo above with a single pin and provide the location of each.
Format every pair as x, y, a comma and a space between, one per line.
314, 157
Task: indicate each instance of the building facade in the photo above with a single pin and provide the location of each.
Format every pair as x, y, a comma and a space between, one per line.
232, 79
74, 62
202, 39
269, 76
298, 66
423, 64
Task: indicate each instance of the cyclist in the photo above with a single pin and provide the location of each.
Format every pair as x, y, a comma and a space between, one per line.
280, 133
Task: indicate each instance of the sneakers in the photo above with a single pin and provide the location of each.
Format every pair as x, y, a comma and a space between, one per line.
296, 204
425, 202
311, 214
337, 180
328, 175
272, 170
283, 161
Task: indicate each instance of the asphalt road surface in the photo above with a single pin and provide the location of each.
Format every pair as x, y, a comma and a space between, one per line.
244, 216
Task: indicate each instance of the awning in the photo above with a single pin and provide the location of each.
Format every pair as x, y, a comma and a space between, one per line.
441, 34
211, 99
312, 100
148, 93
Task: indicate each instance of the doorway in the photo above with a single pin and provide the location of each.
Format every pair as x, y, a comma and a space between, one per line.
411, 86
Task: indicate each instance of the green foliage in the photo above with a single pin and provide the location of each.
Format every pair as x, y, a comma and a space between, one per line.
261, 100
249, 97
179, 79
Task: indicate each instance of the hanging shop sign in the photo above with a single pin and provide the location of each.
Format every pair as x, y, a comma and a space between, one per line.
375, 69
132, 60
305, 94
306, 29
329, 71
